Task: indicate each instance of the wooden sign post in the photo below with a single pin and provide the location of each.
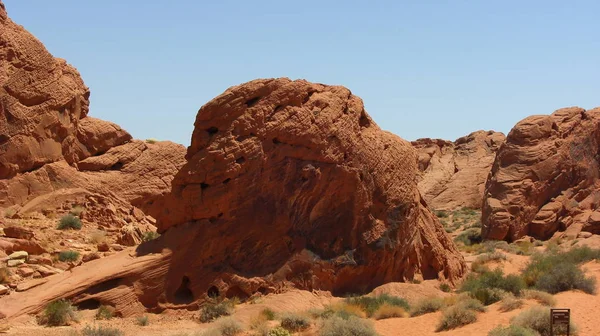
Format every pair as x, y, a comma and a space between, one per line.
560, 321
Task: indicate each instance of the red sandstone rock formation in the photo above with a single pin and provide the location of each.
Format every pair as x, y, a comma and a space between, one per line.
545, 178
453, 174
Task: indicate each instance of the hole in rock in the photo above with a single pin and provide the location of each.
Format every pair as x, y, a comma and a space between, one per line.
240, 160
212, 130
89, 304
184, 293
117, 166
213, 292
278, 108
226, 180
252, 102
276, 141
104, 286
235, 291
364, 120
203, 186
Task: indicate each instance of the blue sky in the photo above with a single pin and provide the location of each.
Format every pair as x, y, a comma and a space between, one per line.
423, 68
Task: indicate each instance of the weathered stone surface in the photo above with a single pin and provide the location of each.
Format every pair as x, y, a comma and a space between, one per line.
3, 290
18, 232
18, 255
15, 262
90, 256
545, 177
453, 174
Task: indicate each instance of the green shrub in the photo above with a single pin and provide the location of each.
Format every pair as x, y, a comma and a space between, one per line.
68, 256
485, 286
294, 322
278, 331
565, 277
386, 311
478, 265
441, 214
151, 141
469, 237
105, 313
456, 316
77, 210
512, 330
427, 305
212, 311
58, 313
471, 304
353, 326
69, 222
268, 314
229, 327
537, 319
369, 304
150, 235
542, 297
100, 331
143, 321
510, 302
444, 287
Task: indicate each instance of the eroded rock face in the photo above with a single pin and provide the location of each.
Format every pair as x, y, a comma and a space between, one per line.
453, 174
545, 177
292, 182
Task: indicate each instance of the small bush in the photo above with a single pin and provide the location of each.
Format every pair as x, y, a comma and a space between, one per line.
445, 288
441, 214
471, 304
68, 256
542, 297
105, 313
469, 237
510, 302
150, 235
481, 286
151, 141
427, 305
97, 237
212, 311
77, 210
369, 304
340, 309
564, 277
336, 326
278, 331
100, 331
268, 314
456, 316
4, 275
386, 311
294, 322
537, 319
69, 222
229, 327
488, 296
512, 330
58, 313
142, 321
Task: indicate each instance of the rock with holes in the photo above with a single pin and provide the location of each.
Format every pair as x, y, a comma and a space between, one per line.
290, 182
545, 177
453, 174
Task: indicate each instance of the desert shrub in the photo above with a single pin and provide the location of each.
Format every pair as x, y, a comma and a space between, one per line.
97, 237
68, 255
444, 287
142, 320
427, 305
471, 304
558, 271
69, 222
4, 275
77, 210
150, 235
469, 237
151, 141
100, 331
386, 311
268, 314
537, 319
278, 331
58, 313
510, 302
512, 330
212, 311
478, 266
369, 304
456, 316
294, 322
542, 297
485, 286
229, 327
337, 326
105, 313
340, 309
441, 214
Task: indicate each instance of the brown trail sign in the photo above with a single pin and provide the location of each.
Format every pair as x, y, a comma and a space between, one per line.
560, 322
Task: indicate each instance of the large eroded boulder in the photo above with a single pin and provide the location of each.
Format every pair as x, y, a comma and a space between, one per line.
545, 177
292, 181
453, 174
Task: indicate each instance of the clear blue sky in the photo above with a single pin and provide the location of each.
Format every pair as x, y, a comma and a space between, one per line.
423, 68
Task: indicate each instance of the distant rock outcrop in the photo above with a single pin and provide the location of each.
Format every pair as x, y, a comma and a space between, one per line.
453, 174
545, 178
